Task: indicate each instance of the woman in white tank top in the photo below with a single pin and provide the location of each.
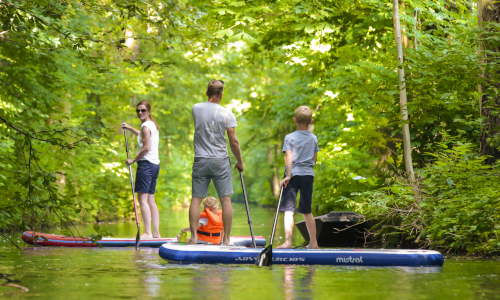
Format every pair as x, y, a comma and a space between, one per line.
148, 168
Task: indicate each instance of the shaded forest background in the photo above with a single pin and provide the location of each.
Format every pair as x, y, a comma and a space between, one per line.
71, 71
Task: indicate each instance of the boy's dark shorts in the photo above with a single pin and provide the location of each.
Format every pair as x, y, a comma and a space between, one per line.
304, 184
145, 179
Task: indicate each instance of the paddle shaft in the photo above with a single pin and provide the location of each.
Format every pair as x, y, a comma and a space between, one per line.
265, 258
131, 180
276, 217
248, 209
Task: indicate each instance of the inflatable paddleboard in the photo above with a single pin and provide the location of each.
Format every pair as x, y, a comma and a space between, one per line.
46, 239
214, 254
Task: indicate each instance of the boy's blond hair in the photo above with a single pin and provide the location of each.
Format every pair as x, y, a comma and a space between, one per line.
215, 87
211, 203
303, 115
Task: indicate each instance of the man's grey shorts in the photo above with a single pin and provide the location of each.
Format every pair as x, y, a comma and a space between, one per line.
216, 169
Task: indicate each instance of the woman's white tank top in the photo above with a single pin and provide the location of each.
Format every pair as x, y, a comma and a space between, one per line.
152, 155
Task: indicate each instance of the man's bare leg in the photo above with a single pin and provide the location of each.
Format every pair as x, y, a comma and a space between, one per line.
311, 229
194, 218
146, 214
288, 230
227, 218
155, 215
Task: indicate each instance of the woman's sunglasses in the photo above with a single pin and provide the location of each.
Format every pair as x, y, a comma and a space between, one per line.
141, 110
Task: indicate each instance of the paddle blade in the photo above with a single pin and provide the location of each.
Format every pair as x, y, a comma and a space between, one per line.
265, 258
138, 238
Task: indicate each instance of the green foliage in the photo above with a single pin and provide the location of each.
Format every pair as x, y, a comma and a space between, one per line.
72, 71
456, 209
341, 61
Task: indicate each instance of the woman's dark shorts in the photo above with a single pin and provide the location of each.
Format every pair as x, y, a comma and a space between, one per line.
145, 179
304, 184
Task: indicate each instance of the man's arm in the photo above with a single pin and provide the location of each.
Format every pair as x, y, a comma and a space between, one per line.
315, 158
288, 167
235, 147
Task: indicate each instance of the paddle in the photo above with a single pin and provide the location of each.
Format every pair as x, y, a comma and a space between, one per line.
138, 237
265, 258
248, 210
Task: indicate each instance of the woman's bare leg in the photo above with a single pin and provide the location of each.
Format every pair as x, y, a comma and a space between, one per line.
155, 215
146, 214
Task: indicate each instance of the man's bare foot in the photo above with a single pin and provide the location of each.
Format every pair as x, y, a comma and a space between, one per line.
227, 243
146, 236
156, 235
315, 246
192, 241
285, 246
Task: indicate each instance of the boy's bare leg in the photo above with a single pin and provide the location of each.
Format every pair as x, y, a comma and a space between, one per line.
289, 223
227, 218
155, 215
311, 229
194, 218
146, 214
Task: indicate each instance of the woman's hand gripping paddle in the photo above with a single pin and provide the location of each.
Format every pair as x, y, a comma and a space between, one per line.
265, 258
138, 237
248, 210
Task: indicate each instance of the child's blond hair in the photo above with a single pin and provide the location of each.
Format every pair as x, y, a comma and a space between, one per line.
303, 115
211, 203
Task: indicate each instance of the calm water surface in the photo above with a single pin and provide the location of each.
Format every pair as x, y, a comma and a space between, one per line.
81, 273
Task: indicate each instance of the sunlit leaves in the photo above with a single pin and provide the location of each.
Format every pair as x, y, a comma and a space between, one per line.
224, 32
224, 11
244, 37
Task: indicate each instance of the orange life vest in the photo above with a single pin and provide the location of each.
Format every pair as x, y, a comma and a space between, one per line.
213, 230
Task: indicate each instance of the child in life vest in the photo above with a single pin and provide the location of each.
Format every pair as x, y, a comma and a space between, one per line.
210, 226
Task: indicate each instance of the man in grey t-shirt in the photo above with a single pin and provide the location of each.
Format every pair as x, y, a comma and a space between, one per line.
211, 159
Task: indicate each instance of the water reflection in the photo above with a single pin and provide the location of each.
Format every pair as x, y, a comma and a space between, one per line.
421, 270
297, 285
144, 259
209, 282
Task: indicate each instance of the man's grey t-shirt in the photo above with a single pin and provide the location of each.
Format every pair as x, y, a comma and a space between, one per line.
303, 145
211, 121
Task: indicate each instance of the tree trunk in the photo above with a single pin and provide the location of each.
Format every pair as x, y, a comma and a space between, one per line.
489, 103
402, 93
274, 180
404, 37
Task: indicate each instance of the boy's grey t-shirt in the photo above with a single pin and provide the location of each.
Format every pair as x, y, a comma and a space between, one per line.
303, 145
211, 121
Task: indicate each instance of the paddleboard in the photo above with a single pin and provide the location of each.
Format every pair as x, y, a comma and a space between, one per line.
46, 239
214, 254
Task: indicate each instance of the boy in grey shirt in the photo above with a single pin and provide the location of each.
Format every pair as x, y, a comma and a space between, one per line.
301, 150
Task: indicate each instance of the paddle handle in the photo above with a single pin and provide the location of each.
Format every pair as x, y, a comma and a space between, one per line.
131, 179
248, 209
276, 217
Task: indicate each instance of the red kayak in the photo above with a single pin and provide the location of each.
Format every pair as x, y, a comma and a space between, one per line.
47, 239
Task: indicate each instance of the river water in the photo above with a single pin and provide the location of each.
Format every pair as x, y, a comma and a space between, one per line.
99, 273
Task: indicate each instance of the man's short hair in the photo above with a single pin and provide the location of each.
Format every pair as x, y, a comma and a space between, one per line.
215, 87
303, 115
